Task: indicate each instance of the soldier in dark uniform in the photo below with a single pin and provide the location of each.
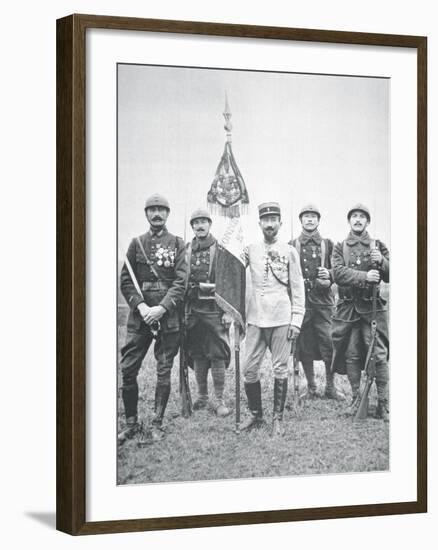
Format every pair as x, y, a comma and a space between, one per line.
158, 263
207, 325
359, 263
315, 340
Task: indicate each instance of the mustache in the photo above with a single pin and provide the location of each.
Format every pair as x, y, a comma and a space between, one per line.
157, 219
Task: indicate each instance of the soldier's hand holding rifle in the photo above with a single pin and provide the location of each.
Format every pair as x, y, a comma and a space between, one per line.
373, 276
323, 273
376, 256
292, 332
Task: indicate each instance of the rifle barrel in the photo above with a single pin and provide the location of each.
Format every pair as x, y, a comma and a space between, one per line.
237, 373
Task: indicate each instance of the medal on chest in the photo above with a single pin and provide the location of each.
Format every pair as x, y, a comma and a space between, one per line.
163, 255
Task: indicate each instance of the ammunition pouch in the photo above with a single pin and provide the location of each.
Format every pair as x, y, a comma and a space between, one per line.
201, 291
206, 291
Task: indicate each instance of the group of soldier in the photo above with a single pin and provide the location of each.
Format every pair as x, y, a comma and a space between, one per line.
168, 284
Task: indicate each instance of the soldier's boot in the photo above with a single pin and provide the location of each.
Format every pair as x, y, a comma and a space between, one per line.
162, 392
382, 410
201, 366
132, 428
254, 394
280, 392
353, 374
330, 388
218, 375
130, 400
309, 371
382, 376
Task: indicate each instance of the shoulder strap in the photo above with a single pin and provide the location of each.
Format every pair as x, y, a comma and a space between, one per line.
212, 255
297, 245
323, 249
277, 278
150, 264
345, 252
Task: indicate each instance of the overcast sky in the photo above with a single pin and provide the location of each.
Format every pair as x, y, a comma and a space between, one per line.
297, 138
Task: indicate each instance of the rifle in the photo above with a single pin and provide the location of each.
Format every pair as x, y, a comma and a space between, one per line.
237, 373
184, 388
360, 404
295, 369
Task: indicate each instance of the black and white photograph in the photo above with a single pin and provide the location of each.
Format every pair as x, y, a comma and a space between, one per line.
253, 260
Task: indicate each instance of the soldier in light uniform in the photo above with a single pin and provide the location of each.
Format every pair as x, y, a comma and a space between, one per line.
275, 314
207, 325
359, 263
158, 261
315, 340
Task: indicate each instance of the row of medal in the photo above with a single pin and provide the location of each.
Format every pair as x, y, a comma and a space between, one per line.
313, 251
163, 256
202, 257
358, 260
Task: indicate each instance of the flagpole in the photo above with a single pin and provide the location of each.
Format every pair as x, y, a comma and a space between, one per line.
228, 127
228, 198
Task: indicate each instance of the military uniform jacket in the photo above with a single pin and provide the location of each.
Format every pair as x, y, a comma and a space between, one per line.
166, 253
277, 293
201, 261
351, 261
310, 249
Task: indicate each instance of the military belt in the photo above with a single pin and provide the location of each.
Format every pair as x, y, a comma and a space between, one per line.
357, 293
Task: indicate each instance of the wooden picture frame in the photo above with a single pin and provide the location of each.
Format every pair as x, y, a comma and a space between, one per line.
71, 272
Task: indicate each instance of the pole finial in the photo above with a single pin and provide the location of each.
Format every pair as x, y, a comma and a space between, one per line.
227, 115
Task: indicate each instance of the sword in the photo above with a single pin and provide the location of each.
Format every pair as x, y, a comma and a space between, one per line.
155, 327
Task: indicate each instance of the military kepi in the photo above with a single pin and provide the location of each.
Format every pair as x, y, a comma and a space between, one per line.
269, 208
361, 208
311, 209
200, 213
157, 200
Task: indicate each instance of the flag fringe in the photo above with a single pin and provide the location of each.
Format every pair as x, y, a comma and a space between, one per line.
234, 211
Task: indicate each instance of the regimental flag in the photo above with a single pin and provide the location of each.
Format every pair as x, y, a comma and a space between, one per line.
228, 197
230, 272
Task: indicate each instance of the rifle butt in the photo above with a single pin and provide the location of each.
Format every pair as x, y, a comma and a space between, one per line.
362, 410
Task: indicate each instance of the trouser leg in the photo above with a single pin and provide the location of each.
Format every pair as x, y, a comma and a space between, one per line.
307, 344
309, 373
166, 348
382, 372
353, 359
132, 355
255, 348
322, 326
279, 346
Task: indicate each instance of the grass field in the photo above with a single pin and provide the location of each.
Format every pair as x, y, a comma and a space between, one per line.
320, 440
